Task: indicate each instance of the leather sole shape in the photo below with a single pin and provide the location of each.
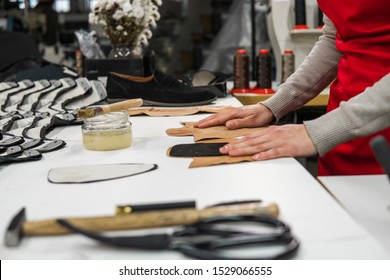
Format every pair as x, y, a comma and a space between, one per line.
196, 150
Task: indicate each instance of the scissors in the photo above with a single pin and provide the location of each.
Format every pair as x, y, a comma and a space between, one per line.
208, 238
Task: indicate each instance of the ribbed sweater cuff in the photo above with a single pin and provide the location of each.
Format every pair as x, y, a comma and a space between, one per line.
277, 104
327, 133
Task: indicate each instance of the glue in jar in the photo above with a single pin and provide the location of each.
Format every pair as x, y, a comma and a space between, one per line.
111, 131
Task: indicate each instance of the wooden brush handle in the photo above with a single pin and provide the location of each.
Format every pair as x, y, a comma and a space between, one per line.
123, 105
149, 219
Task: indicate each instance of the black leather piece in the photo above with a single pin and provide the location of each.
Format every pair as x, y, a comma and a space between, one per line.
24, 85
86, 93
45, 84
55, 121
52, 146
159, 90
8, 115
10, 85
196, 150
14, 140
7, 126
31, 144
30, 155
14, 151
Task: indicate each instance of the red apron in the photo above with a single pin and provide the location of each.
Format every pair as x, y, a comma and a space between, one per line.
363, 36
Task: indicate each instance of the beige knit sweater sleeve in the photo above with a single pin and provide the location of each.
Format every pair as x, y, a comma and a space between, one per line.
317, 71
367, 113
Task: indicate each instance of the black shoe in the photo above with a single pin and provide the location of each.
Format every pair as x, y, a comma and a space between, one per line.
157, 89
214, 81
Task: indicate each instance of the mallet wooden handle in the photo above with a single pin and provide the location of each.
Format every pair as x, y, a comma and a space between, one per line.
150, 219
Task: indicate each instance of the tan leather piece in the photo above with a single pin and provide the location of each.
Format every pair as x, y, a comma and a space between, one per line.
174, 112
216, 140
202, 134
162, 112
188, 124
169, 152
209, 161
209, 132
182, 131
216, 134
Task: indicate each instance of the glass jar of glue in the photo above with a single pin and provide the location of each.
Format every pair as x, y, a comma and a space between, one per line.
111, 131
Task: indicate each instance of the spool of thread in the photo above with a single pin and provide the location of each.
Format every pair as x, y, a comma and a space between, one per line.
288, 64
263, 72
300, 14
241, 72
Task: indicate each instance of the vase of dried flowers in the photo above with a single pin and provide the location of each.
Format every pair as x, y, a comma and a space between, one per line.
128, 24
120, 51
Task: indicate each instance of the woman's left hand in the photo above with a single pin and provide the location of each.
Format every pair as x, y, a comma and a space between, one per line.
273, 142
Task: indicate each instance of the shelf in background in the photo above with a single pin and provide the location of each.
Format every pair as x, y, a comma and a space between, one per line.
306, 33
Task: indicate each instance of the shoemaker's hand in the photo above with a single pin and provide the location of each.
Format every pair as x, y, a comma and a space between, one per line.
246, 116
273, 142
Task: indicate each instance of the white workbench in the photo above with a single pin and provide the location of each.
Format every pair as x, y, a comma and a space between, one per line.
324, 228
367, 199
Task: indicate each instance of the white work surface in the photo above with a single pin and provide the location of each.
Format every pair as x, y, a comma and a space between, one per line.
367, 199
324, 228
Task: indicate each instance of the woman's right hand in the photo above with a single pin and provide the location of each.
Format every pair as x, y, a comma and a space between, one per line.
247, 116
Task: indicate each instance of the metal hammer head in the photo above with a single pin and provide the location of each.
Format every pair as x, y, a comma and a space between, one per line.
14, 231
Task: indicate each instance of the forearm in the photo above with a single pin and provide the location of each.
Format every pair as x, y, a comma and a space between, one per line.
365, 114
317, 71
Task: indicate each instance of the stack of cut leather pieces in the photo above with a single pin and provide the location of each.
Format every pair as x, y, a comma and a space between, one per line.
174, 112
205, 152
30, 110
